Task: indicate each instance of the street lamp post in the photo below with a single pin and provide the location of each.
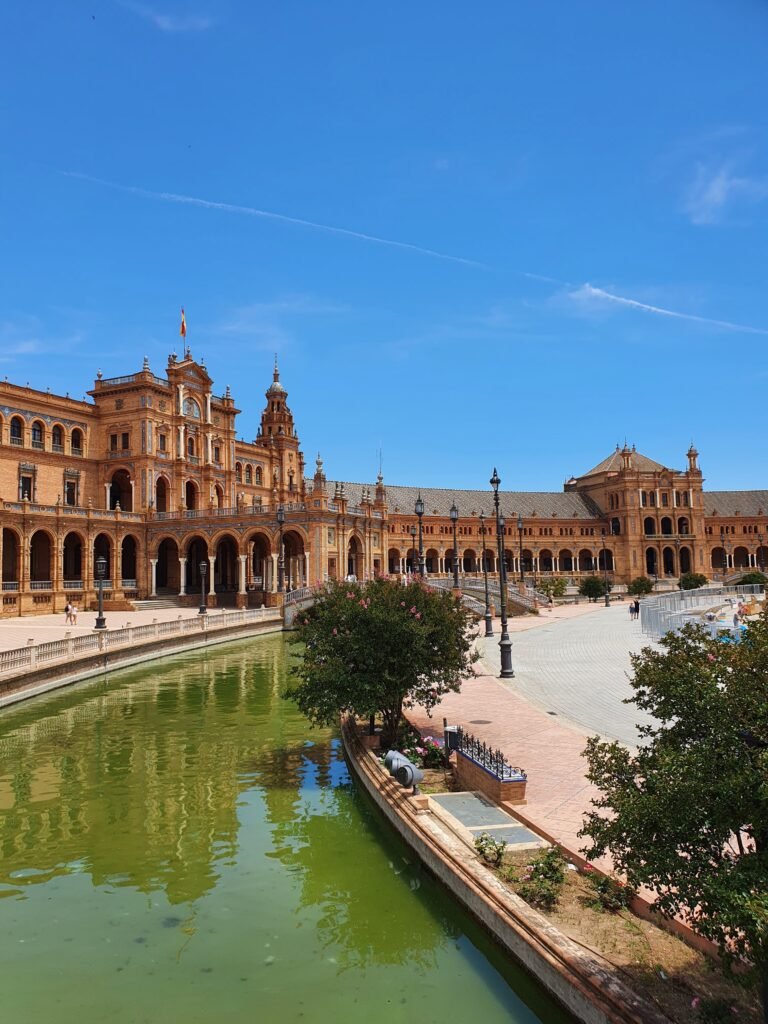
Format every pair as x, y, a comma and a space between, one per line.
488, 618
280, 551
454, 520
520, 535
605, 574
203, 610
419, 509
505, 644
101, 568
413, 548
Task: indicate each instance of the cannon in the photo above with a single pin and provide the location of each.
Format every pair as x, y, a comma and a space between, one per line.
400, 768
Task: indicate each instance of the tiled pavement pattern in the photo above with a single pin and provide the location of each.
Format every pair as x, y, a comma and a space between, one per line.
478, 815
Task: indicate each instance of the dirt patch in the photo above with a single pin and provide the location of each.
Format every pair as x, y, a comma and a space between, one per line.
653, 962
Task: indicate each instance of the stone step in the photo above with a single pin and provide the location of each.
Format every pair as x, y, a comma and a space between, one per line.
156, 604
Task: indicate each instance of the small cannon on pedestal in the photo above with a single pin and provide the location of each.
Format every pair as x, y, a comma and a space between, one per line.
400, 768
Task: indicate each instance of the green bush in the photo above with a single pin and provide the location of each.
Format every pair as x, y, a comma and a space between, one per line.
553, 586
692, 580
752, 579
593, 587
609, 893
491, 850
542, 880
640, 586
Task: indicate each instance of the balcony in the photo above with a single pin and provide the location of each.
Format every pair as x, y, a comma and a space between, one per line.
121, 453
58, 448
39, 445
18, 441
40, 585
77, 452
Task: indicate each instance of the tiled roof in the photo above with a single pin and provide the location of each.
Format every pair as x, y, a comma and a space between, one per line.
438, 501
640, 463
728, 503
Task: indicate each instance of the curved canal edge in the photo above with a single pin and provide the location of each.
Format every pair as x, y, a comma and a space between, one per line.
584, 984
54, 677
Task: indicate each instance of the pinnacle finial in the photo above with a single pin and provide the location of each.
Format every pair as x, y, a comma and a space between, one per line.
276, 371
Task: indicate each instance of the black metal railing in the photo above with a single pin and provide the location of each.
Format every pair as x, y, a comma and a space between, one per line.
492, 760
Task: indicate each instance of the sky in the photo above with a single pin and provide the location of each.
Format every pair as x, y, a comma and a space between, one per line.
506, 234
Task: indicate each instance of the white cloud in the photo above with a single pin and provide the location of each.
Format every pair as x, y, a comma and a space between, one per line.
716, 187
590, 297
169, 22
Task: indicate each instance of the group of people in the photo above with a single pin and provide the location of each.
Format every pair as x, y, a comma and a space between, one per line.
70, 614
634, 609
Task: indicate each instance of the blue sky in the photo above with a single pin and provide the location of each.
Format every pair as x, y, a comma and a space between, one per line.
578, 193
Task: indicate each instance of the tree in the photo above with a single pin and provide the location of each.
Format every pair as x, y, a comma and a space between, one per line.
692, 580
640, 586
752, 579
553, 586
593, 587
379, 647
687, 812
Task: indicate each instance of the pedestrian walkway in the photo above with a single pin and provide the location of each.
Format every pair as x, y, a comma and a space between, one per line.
17, 632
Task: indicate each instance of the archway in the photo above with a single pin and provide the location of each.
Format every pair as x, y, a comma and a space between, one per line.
448, 560
120, 490
226, 570
666, 526
605, 560
355, 565
431, 561
615, 526
72, 557
190, 495
11, 549
260, 562
565, 561
683, 525
162, 494
761, 559
585, 560
651, 562
668, 561
741, 558
218, 496
509, 561
102, 548
40, 566
197, 552
129, 561
527, 561
546, 561
718, 559
293, 546
38, 435
393, 561
469, 562
649, 526
412, 560
167, 573
685, 560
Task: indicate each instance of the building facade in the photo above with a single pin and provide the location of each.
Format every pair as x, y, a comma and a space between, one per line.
150, 481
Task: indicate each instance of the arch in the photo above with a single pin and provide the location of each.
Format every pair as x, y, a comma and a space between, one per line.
120, 490
129, 559
40, 557
565, 560
226, 572
37, 434
218, 493
470, 562
102, 548
168, 568
191, 494
509, 561
546, 560
293, 558
355, 564
668, 561
651, 562
57, 438
683, 525
490, 560
16, 431
248, 474
527, 560
615, 526
260, 561
162, 494
431, 561
76, 442
412, 560
11, 567
741, 558
72, 558
191, 408
239, 472
258, 476
649, 526
761, 558
718, 559
586, 560
195, 552
686, 561
191, 445
666, 526
605, 560
448, 560
393, 560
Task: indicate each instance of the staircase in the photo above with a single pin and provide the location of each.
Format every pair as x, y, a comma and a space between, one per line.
156, 604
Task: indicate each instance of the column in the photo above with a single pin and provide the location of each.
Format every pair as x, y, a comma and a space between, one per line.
576, 562
133, 497
106, 495
117, 577
180, 443
273, 567
306, 570
556, 563
1, 561
182, 576
243, 560
211, 574
153, 577
208, 408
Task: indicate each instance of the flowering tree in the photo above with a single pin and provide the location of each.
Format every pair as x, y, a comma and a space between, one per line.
687, 812
379, 647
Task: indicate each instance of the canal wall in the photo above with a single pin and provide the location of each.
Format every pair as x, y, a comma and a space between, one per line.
117, 649
586, 985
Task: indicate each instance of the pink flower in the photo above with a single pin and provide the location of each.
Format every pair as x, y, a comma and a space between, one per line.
710, 657
695, 1002
335, 631
413, 609
350, 594
402, 604
417, 615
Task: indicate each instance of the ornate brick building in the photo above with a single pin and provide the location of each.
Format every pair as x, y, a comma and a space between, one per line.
150, 477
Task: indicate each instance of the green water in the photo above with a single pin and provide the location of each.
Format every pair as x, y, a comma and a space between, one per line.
178, 846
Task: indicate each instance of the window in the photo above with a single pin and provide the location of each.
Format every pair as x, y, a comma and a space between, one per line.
190, 446
238, 473
26, 487
17, 431
70, 492
77, 442
248, 475
37, 435
644, 499
216, 453
258, 475
162, 442
664, 499
113, 442
57, 439
125, 439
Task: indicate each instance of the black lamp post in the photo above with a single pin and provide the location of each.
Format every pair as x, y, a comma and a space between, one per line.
101, 568
488, 618
454, 520
520, 535
280, 552
203, 567
605, 574
419, 509
505, 644
413, 548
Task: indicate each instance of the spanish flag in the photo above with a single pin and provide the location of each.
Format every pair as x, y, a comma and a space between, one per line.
183, 327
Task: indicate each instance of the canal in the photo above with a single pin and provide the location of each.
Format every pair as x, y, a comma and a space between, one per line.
176, 845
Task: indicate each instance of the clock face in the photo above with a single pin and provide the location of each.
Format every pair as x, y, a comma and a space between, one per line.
191, 409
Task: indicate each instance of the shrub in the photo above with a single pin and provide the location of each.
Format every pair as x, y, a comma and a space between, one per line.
491, 850
639, 586
714, 1011
593, 587
692, 580
542, 879
424, 752
553, 586
752, 579
609, 893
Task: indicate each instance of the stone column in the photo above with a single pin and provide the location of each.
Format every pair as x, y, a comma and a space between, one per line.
106, 496
273, 573
243, 559
211, 573
182, 576
153, 577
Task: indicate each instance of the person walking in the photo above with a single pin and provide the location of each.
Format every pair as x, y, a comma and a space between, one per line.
73, 615
67, 613
637, 608
631, 611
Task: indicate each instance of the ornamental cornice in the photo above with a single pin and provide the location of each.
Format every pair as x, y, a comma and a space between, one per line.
10, 410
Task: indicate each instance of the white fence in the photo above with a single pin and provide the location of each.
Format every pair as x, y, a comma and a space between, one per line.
668, 612
73, 648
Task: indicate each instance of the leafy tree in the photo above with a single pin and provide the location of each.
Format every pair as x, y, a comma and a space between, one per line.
692, 580
553, 586
686, 814
752, 579
593, 587
639, 586
379, 647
